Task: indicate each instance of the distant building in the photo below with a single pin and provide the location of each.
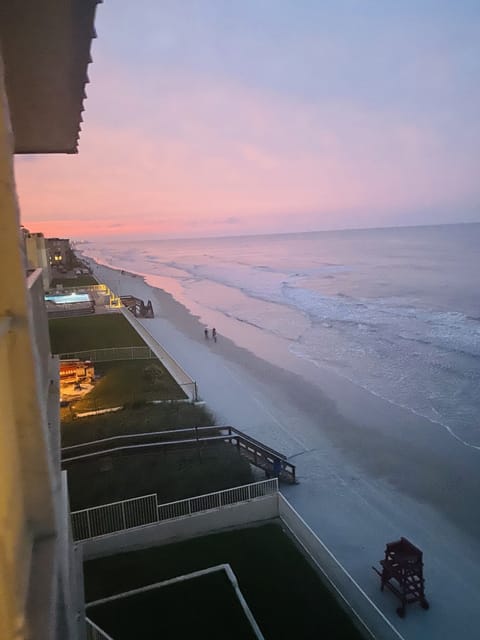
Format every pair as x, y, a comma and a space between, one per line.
59, 252
37, 256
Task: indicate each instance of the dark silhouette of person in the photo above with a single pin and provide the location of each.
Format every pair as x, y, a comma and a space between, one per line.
206, 334
214, 334
277, 467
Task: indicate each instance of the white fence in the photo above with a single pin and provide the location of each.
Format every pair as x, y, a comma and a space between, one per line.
102, 288
138, 512
112, 353
217, 500
94, 632
116, 516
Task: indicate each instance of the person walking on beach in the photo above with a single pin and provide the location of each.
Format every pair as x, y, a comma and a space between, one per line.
214, 334
206, 334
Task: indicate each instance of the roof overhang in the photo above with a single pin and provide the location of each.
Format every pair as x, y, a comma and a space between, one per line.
45, 47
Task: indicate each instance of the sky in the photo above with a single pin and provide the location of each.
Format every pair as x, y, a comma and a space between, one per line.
226, 117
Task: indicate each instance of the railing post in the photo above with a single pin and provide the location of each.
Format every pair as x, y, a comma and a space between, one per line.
156, 507
123, 516
220, 498
88, 525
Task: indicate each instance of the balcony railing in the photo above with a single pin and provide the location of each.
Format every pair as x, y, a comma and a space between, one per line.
115, 516
217, 500
145, 510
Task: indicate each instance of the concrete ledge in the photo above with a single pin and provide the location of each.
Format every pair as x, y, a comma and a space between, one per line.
198, 524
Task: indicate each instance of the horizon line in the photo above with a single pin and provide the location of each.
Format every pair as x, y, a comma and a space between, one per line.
276, 233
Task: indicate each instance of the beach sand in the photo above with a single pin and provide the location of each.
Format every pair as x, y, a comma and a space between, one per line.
369, 472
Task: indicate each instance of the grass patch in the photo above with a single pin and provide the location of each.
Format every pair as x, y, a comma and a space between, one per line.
196, 595
78, 281
142, 419
283, 591
92, 332
129, 382
173, 475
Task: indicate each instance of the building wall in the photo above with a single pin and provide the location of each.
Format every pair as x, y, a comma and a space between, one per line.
15, 537
37, 256
33, 595
59, 252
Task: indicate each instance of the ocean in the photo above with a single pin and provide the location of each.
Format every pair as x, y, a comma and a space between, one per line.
395, 311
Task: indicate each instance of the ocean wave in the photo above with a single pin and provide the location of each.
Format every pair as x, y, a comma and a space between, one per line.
420, 357
465, 435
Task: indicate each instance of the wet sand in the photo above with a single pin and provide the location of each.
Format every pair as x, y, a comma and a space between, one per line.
369, 471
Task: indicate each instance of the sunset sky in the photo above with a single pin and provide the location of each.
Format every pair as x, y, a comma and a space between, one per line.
225, 117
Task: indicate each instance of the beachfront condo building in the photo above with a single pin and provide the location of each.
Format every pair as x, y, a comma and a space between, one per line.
44, 54
36, 252
59, 252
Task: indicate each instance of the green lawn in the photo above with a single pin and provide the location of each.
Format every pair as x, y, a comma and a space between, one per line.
78, 281
92, 332
172, 474
128, 382
283, 591
196, 597
137, 419
122, 382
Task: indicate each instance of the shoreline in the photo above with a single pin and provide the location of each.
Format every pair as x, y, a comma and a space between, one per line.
352, 405
328, 379
376, 470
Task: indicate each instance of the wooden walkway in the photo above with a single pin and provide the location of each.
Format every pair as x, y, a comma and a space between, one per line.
272, 462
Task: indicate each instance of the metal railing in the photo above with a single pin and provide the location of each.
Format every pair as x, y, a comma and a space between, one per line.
272, 462
116, 516
94, 632
145, 510
217, 499
109, 354
102, 288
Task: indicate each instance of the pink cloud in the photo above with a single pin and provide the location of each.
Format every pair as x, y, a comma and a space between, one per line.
185, 155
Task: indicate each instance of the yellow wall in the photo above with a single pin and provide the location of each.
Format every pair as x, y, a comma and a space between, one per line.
15, 542
37, 256
26, 472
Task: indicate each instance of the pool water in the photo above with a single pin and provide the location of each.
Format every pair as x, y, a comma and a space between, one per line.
68, 298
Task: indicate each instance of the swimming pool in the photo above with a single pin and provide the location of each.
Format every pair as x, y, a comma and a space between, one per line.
68, 298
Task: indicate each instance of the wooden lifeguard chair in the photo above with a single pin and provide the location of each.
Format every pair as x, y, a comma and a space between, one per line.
402, 574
